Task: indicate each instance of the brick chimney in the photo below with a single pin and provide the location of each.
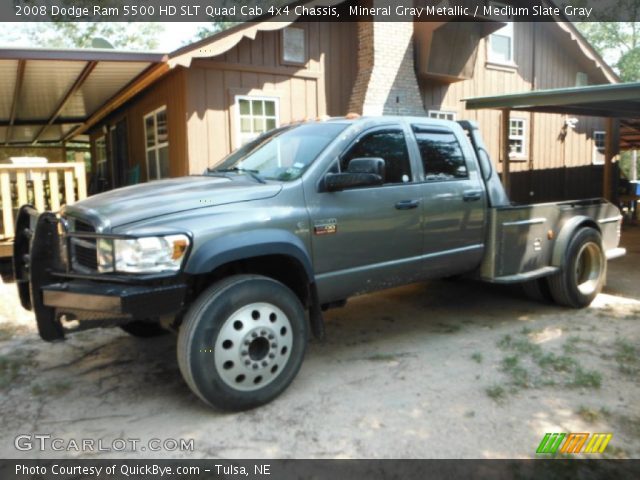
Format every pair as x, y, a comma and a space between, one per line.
386, 81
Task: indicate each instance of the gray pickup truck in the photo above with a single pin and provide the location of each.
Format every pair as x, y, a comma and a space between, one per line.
242, 260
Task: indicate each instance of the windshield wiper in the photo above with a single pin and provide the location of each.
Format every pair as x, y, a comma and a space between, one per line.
252, 173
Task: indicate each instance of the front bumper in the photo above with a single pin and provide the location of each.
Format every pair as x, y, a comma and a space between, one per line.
138, 301
47, 287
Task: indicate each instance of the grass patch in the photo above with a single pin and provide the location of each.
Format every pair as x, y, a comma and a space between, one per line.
476, 357
591, 415
585, 379
529, 366
9, 370
520, 345
387, 357
558, 363
571, 345
496, 393
519, 375
54, 388
626, 356
450, 328
6, 332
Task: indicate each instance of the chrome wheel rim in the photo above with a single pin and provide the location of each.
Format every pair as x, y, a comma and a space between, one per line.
588, 268
253, 346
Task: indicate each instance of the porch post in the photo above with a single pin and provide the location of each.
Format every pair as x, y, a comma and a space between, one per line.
610, 151
505, 150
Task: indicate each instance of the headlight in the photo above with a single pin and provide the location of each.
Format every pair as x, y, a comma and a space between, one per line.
142, 255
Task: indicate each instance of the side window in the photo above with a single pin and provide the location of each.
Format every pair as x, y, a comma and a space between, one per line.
441, 154
389, 145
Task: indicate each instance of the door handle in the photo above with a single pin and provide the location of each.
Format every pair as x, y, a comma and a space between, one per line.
472, 195
407, 204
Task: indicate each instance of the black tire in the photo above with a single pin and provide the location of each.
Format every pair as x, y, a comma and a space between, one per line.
583, 273
537, 290
242, 342
142, 329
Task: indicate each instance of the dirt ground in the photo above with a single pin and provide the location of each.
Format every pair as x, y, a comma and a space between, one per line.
443, 369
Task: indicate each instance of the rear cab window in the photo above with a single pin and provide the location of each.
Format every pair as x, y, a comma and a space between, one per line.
440, 153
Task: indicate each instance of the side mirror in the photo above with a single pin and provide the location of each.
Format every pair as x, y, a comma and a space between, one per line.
367, 165
334, 182
361, 172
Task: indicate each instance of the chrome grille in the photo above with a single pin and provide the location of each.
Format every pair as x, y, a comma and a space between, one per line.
84, 256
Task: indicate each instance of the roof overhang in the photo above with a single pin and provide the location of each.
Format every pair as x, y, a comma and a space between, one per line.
621, 101
47, 94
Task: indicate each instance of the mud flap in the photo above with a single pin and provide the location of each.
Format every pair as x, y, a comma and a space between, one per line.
315, 315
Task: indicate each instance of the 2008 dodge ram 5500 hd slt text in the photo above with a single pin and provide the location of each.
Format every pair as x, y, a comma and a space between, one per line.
242, 260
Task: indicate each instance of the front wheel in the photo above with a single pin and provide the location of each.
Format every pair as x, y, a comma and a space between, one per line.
583, 273
242, 342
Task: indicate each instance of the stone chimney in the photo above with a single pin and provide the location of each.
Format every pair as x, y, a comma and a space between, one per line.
386, 81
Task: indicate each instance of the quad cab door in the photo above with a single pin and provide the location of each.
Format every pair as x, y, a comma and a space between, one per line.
365, 238
454, 201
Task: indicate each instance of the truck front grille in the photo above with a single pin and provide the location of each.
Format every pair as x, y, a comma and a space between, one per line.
84, 255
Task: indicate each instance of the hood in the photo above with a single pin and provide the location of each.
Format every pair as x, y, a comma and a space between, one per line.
164, 197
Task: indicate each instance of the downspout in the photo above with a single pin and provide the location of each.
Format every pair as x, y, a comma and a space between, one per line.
532, 117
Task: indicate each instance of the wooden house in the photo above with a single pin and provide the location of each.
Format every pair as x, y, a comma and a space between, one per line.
206, 99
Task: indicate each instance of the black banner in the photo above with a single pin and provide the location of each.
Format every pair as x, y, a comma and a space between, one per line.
316, 10
578, 469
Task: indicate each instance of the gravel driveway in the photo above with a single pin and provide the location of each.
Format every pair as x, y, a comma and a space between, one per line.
445, 369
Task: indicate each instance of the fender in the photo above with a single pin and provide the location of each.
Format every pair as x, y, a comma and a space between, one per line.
565, 235
256, 243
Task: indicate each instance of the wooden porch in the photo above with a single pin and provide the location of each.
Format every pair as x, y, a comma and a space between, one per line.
46, 187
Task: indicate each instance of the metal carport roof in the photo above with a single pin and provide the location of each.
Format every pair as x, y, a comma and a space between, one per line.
619, 103
46, 94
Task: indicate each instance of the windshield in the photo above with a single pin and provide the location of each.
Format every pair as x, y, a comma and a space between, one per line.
282, 154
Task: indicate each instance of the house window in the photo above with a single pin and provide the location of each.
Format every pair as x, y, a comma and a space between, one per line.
582, 79
101, 158
599, 146
256, 115
157, 143
442, 115
517, 128
501, 42
294, 49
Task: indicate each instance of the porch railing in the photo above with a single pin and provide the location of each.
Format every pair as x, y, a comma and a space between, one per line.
46, 187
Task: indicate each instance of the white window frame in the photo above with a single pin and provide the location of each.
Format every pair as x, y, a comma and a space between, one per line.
506, 31
442, 115
157, 146
241, 138
522, 137
599, 152
101, 145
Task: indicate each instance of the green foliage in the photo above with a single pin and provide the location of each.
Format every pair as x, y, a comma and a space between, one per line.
130, 35
213, 28
127, 36
618, 42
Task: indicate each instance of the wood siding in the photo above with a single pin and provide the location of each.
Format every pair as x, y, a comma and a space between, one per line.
544, 60
169, 91
320, 87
